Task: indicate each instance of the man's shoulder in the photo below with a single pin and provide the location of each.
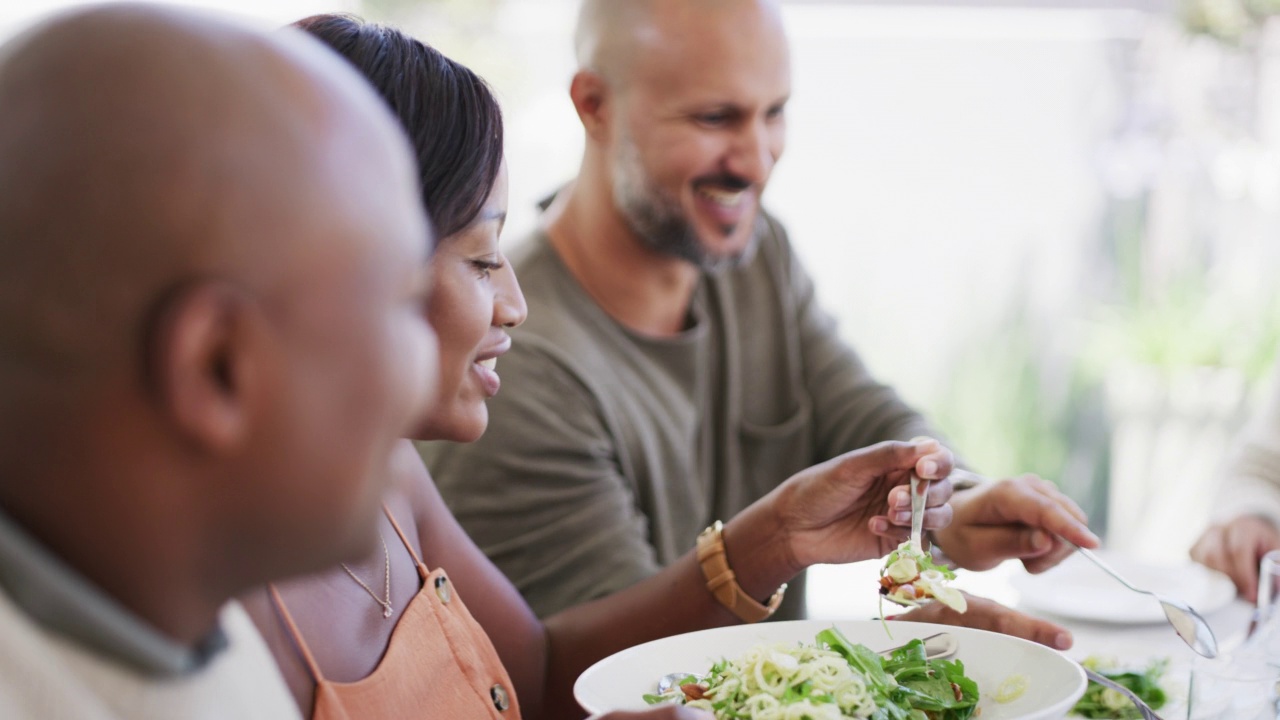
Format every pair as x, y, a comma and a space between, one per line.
535, 262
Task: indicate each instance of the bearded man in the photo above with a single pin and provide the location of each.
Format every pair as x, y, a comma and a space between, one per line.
675, 365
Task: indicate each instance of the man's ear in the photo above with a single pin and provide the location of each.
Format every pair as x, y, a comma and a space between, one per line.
589, 93
204, 367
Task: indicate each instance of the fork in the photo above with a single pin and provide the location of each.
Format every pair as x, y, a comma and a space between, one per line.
919, 493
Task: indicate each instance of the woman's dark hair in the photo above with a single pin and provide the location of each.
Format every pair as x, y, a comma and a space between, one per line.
449, 112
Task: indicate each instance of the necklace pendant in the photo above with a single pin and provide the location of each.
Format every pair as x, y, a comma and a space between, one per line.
386, 611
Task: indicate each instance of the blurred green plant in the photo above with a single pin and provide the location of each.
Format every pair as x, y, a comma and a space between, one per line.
1188, 326
1019, 403
1231, 21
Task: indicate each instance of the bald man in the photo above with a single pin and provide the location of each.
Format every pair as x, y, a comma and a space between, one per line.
676, 365
211, 337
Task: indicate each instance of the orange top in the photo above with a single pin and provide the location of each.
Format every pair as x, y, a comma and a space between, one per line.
439, 663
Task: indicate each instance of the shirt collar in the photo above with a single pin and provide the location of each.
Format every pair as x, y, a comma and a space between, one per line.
66, 603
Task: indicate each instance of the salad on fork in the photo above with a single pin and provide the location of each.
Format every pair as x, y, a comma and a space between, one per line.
910, 577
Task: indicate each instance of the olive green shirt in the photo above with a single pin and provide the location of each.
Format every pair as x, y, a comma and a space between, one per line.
608, 451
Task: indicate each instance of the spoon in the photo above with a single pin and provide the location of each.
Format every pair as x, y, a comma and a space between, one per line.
939, 645
1188, 623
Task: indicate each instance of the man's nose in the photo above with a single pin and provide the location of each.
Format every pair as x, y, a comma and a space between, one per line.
753, 154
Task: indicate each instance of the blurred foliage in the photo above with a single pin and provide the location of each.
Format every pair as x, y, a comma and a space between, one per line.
1190, 326
1020, 403
1231, 21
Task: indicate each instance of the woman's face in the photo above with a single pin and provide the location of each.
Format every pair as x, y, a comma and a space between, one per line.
474, 298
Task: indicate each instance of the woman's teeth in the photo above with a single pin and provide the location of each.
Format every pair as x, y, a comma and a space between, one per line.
489, 364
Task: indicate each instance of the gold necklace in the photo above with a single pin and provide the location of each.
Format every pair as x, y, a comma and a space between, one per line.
384, 601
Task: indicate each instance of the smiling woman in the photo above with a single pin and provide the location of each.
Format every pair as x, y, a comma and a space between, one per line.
474, 299
326, 634
456, 127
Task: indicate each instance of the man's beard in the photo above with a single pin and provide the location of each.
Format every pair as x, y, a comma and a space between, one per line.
657, 219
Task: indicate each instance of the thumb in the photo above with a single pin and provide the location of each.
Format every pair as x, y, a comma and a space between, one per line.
883, 457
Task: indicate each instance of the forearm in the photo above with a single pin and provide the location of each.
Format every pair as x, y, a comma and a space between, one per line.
673, 601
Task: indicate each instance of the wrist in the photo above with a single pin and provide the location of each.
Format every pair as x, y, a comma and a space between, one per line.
759, 549
722, 581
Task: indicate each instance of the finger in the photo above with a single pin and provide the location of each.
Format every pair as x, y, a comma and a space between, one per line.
997, 618
1208, 549
1030, 628
880, 526
1243, 562
1002, 542
1051, 491
936, 464
1059, 552
938, 518
940, 492
882, 458
900, 498
1044, 511
985, 614
1212, 551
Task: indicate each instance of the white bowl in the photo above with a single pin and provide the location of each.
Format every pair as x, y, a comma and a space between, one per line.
1054, 683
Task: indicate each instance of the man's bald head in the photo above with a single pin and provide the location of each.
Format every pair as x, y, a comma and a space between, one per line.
612, 35
141, 148
211, 327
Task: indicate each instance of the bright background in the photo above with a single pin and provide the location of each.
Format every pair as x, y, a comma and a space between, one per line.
1052, 224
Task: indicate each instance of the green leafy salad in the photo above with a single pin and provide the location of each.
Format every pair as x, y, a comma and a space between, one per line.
1101, 702
830, 680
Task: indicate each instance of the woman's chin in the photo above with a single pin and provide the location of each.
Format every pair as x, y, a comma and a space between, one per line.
459, 427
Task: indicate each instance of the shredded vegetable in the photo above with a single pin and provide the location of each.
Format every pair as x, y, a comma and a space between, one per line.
832, 679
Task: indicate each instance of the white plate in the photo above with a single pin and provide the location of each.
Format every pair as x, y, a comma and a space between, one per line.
1054, 683
1077, 589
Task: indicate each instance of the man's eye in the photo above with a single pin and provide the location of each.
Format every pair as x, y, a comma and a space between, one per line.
713, 119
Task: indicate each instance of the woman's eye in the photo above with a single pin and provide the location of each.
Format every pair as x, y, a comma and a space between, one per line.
484, 267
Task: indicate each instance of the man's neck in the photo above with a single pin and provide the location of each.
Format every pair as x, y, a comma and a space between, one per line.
148, 570
645, 291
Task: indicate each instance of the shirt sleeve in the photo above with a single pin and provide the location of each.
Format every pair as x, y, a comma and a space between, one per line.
851, 409
542, 492
1250, 484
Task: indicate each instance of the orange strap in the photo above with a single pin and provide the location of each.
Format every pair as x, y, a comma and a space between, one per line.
423, 572
312, 666
297, 636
